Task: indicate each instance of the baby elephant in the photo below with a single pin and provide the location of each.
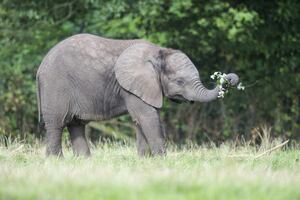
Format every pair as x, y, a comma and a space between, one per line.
89, 78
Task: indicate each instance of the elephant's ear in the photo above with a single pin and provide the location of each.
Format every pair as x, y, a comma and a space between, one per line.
135, 73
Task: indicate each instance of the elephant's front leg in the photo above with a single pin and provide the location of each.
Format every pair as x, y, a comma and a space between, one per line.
141, 142
147, 117
152, 129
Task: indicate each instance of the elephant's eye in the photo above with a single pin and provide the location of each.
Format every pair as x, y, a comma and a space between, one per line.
180, 82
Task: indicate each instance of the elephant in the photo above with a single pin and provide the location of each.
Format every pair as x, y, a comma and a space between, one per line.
90, 78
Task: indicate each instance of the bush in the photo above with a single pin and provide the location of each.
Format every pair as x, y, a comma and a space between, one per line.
257, 40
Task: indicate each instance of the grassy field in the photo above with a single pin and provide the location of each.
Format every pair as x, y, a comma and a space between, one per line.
116, 172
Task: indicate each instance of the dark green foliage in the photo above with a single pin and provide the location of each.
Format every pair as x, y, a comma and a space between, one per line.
258, 40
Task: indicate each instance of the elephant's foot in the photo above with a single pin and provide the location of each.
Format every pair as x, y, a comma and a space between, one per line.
82, 152
54, 152
159, 152
144, 152
158, 149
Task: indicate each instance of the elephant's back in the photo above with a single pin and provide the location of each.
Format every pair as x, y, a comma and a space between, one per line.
84, 51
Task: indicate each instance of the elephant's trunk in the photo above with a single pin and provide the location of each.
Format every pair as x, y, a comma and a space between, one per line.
202, 94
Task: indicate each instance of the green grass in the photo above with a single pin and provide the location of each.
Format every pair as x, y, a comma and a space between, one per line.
116, 172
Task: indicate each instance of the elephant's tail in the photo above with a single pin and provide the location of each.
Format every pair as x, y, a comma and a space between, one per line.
38, 94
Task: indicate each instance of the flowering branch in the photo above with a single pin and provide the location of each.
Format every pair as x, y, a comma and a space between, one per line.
224, 84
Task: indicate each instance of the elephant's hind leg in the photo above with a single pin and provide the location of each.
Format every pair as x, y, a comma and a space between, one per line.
78, 139
53, 141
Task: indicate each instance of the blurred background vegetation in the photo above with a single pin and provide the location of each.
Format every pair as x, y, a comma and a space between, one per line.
259, 40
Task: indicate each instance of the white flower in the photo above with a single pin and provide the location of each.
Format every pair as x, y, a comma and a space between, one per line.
223, 75
222, 80
240, 86
221, 94
212, 77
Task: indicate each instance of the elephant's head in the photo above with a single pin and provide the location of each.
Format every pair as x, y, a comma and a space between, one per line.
150, 72
181, 81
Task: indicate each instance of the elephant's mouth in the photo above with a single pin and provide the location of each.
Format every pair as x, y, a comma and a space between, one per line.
180, 99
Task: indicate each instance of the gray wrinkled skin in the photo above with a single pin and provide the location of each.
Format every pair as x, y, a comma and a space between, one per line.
89, 78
